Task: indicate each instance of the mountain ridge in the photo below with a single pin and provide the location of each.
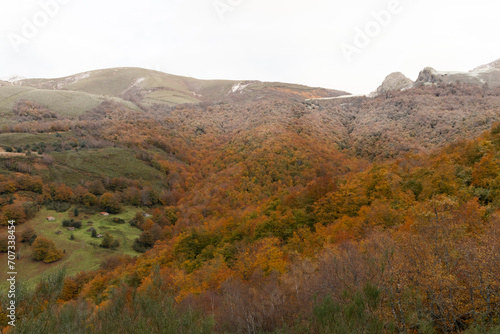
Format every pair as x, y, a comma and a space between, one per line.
252, 192
158, 87
148, 87
487, 75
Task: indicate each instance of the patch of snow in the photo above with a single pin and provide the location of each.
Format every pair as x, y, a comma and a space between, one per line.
134, 84
72, 80
239, 87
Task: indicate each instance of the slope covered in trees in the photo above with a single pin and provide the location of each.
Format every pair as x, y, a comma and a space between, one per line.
341, 216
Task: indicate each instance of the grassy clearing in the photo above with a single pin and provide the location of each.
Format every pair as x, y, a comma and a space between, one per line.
82, 253
73, 167
63, 102
10, 94
14, 139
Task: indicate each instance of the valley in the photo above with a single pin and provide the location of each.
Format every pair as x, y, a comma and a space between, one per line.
245, 206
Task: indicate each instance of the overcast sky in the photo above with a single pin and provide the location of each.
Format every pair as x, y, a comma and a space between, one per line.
341, 44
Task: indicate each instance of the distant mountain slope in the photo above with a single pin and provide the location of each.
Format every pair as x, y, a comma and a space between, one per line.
136, 89
120, 82
148, 87
418, 119
398, 119
62, 102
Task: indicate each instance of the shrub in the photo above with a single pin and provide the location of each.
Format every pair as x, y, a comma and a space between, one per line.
89, 200
4, 243
71, 223
109, 241
140, 247
356, 314
119, 221
134, 223
28, 235
45, 250
30, 209
109, 203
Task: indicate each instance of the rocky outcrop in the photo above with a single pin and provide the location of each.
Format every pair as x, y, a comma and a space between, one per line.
485, 75
429, 76
394, 81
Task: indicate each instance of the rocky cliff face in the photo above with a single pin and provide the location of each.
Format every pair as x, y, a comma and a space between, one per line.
429, 76
394, 81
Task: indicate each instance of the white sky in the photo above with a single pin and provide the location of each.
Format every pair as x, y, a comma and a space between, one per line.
270, 40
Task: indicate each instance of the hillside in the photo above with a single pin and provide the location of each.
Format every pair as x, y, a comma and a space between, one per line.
147, 87
415, 120
250, 207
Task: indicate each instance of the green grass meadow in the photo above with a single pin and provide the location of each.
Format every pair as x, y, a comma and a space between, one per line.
14, 139
81, 254
72, 167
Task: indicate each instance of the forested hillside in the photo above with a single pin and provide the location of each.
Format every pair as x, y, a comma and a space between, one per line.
265, 213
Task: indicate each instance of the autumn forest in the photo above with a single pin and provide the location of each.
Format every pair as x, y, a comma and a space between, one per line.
258, 215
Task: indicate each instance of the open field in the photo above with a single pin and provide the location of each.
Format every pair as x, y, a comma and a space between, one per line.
82, 253
13, 139
66, 103
72, 167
